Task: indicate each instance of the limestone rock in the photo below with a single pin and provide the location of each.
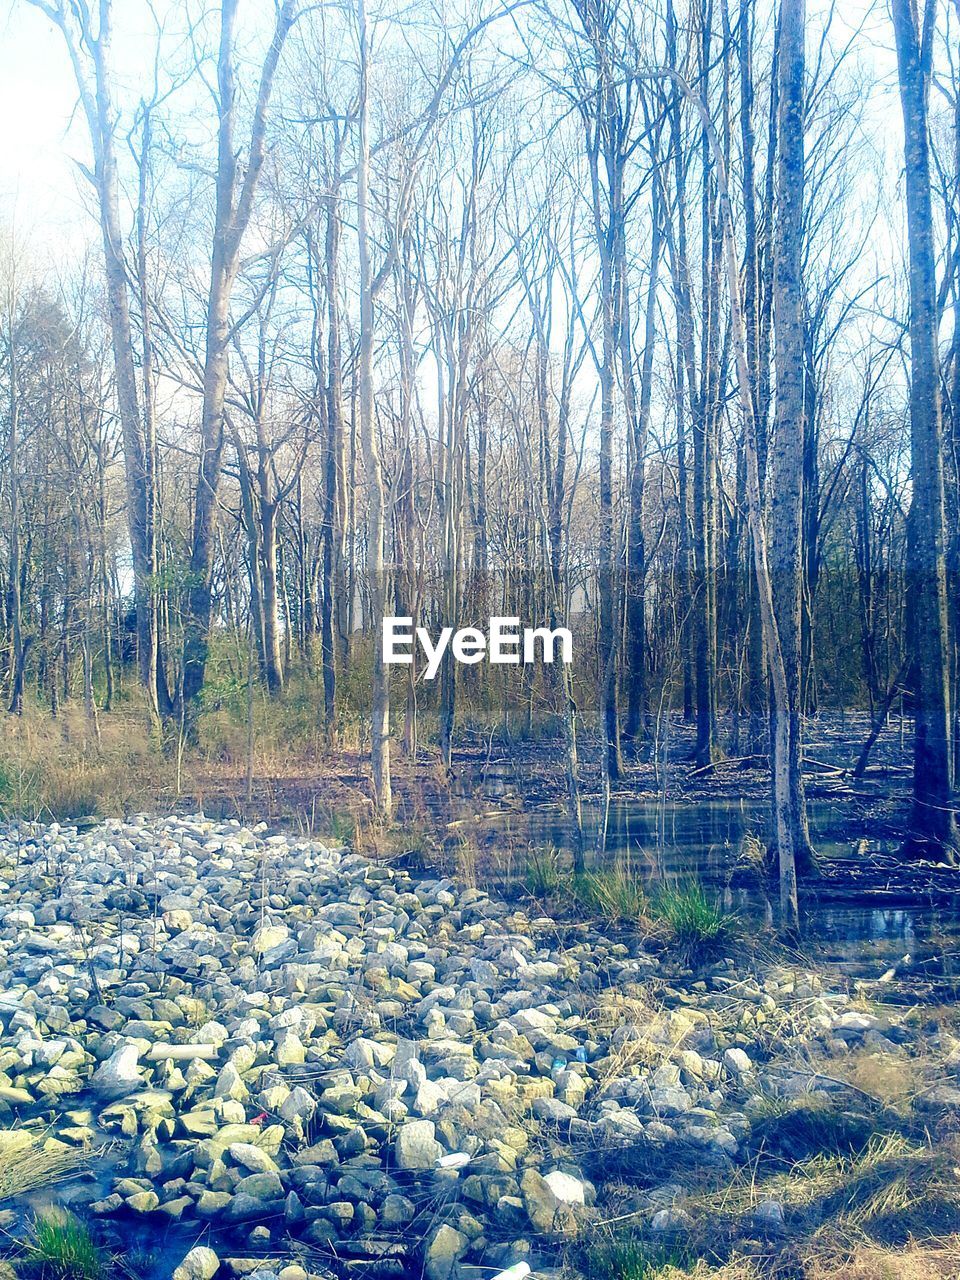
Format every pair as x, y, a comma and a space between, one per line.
200, 1263
416, 1146
119, 1075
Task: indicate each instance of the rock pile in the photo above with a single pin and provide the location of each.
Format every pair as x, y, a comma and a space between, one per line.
290, 1041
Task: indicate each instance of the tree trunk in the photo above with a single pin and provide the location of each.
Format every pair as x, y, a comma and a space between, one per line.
234, 206
933, 820
14, 603
788, 454
90, 56
638, 701
375, 497
333, 633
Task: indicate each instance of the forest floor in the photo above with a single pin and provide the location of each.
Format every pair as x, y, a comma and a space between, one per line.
728, 1107
228, 1050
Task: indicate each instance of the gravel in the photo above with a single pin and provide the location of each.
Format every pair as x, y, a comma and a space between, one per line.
288, 1041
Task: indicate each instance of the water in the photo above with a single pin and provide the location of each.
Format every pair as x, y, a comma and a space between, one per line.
675, 840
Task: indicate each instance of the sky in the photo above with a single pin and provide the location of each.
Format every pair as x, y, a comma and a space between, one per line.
48, 203
41, 190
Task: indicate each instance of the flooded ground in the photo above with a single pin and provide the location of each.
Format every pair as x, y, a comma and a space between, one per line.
666, 841
667, 821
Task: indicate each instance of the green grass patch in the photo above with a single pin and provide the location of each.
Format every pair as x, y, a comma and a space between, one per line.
60, 1247
697, 925
616, 895
633, 1258
544, 874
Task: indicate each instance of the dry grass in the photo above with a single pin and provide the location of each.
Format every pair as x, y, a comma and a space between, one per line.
936, 1260
28, 1165
736, 1269
926, 1261
641, 1032
624, 1020
891, 1079
866, 1193
70, 768
915, 1261
790, 1132
888, 1193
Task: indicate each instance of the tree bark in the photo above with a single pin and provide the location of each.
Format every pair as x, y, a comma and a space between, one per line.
787, 463
89, 52
638, 698
375, 496
234, 206
933, 819
14, 602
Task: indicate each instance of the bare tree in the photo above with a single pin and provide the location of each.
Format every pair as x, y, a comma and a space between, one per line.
788, 443
933, 823
88, 40
236, 187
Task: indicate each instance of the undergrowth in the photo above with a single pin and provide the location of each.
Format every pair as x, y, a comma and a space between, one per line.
615, 895
634, 1258
544, 873
70, 767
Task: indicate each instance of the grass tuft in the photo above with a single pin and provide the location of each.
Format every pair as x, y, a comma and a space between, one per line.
544, 874
696, 925
60, 1247
26, 1165
616, 895
633, 1258
929, 1260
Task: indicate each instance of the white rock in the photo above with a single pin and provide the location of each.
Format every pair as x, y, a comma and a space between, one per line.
119, 1075
670, 1220
269, 936
298, 1105
565, 1187
737, 1062
854, 1021
416, 1146
200, 1263
180, 1052
251, 1157
446, 1246
769, 1214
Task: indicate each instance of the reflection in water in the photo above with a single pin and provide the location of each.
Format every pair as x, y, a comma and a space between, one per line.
674, 840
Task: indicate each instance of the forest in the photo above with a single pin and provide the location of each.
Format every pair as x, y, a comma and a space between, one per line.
480, 640
339, 352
